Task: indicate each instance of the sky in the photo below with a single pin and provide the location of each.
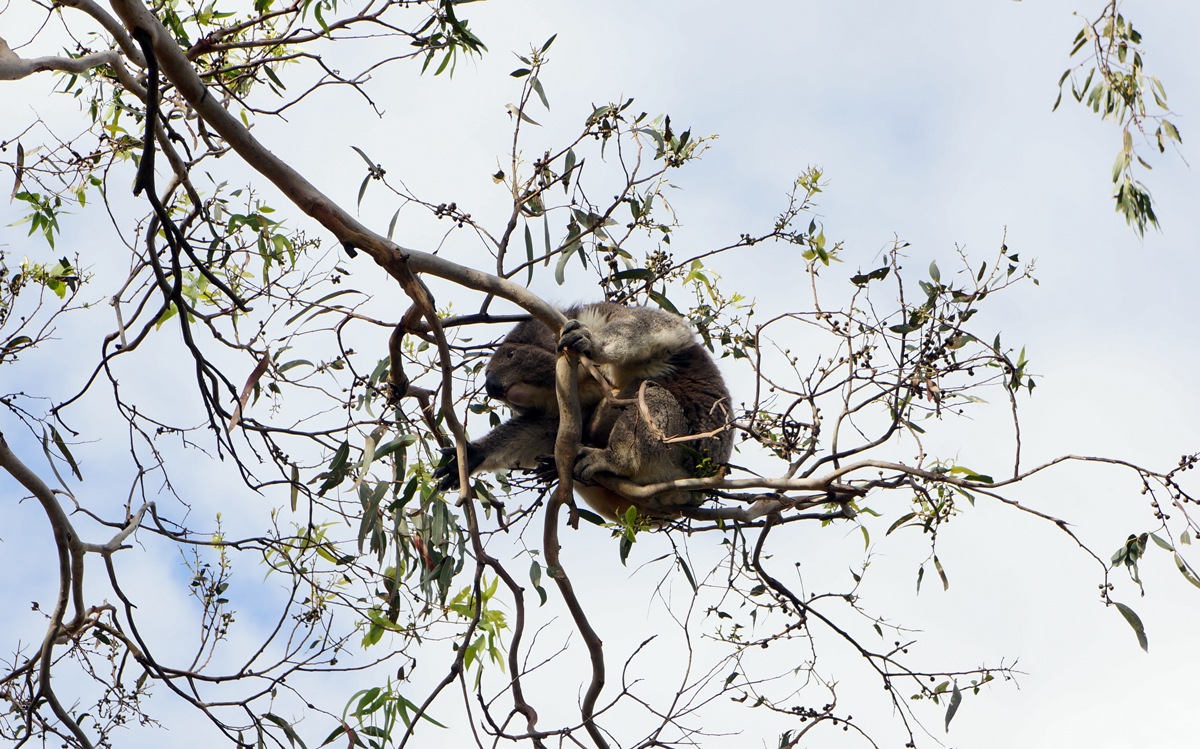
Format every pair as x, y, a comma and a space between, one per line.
933, 124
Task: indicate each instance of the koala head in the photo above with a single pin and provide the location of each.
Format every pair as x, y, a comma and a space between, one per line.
521, 372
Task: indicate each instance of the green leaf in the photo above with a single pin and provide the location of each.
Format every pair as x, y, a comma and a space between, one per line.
292, 737
591, 517
317, 13
271, 74
62, 446
524, 117
945, 581
445, 61
336, 732
560, 267
971, 475
662, 301
876, 275
370, 517
370, 164
687, 572
1136, 623
529, 253
1119, 165
638, 274
537, 87
1161, 543
318, 303
1186, 571
903, 519
14, 343
934, 273
952, 708
294, 363
403, 440
362, 190
392, 223
568, 165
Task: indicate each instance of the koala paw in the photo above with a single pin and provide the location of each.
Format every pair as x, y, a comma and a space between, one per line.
576, 337
546, 471
588, 463
447, 471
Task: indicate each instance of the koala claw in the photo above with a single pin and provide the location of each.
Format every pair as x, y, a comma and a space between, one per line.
576, 337
588, 462
546, 471
447, 470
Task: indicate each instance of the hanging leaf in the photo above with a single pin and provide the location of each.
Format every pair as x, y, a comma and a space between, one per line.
1136, 623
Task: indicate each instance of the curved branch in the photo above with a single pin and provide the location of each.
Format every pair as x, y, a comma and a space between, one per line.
70, 578
565, 449
14, 67
352, 234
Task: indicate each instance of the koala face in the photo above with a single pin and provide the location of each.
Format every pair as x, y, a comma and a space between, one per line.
521, 374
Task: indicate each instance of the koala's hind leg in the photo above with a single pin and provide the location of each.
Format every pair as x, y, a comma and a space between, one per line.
633, 449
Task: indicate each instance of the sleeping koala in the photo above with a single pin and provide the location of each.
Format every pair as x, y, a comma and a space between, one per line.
685, 395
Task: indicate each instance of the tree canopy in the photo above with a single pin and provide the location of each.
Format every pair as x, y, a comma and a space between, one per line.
258, 257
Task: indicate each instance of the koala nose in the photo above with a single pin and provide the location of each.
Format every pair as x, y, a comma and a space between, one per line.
495, 389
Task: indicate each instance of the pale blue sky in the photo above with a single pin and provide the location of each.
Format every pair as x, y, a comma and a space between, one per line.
932, 121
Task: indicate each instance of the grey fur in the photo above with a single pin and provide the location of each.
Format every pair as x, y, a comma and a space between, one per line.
685, 395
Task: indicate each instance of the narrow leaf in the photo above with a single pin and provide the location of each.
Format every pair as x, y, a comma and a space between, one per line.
1136, 623
901, 521
537, 87
62, 446
952, 708
945, 581
248, 388
529, 253
1186, 571
687, 572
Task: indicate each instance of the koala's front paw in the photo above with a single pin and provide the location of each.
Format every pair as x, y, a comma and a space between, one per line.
576, 337
589, 462
447, 472
546, 471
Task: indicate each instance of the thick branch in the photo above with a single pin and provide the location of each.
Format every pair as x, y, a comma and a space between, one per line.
341, 223
14, 67
565, 448
70, 578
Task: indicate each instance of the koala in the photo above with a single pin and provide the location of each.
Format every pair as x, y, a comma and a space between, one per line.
684, 394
